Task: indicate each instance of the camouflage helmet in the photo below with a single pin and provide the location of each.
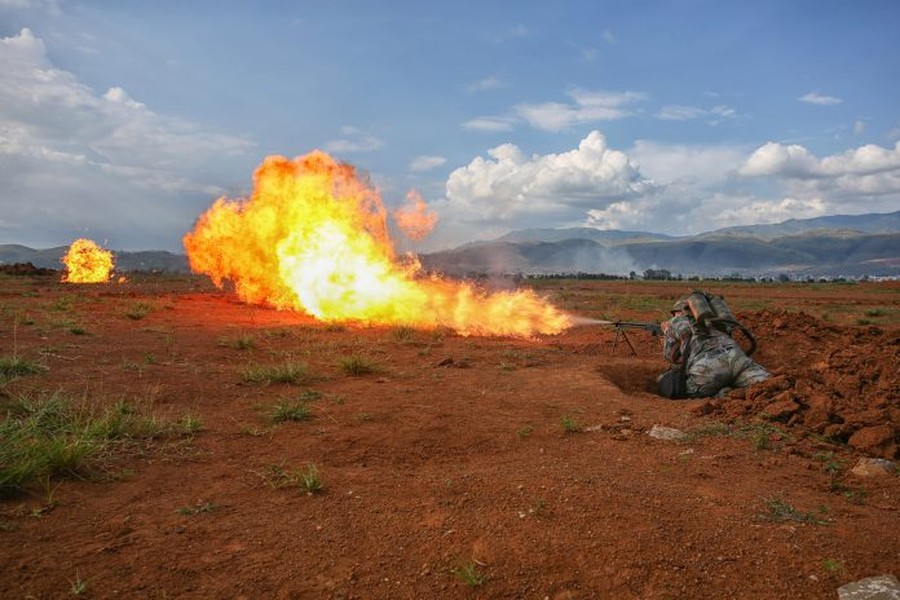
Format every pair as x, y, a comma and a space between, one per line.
681, 305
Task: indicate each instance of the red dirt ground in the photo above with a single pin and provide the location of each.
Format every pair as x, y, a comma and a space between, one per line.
456, 452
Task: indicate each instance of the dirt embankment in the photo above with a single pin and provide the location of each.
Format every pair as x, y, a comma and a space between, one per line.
838, 383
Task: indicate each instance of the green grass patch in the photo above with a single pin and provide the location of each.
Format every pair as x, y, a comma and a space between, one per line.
53, 435
470, 574
762, 436
290, 410
78, 586
241, 342
307, 479
778, 510
14, 366
357, 366
138, 310
524, 432
570, 424
288, 372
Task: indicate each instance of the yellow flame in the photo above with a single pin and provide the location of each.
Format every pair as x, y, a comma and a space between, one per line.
312, 237
86, 262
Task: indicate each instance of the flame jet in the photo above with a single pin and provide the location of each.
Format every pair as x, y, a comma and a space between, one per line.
313, 237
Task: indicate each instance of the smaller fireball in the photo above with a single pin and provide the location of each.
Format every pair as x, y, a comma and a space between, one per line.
86, 262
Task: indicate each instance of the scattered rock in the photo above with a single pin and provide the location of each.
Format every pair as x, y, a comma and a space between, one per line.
667, 433
873, 467
877, 441
883, 587
840, 383
781, 408
819, 410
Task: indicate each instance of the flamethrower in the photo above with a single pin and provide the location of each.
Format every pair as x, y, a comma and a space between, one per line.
621, 326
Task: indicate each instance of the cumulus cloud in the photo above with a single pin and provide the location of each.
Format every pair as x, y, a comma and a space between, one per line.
862, 179
509, 187
71, 153
821, 100
755, 210
704, 164
795, 161
670, 188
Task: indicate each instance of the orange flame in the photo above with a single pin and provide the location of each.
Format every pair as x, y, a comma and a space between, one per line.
86, 262
313, 237
414, 219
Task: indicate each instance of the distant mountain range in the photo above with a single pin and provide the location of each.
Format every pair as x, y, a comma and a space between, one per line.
51, 258
834, 246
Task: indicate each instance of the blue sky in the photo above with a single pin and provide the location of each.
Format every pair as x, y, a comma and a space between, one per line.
124, 120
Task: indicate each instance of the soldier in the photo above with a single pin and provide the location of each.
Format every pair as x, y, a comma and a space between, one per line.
706, 360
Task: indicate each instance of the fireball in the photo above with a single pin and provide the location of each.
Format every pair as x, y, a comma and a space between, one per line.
313, 237
86, 262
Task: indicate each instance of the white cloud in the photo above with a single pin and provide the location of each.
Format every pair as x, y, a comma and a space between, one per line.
513, 189
863, 179
795, 161
76, 158
588, 107
750, 210
654, 186
51, 6
814, 98
490, 124
426, 163
704, 164
776, 159
117, 94
354, 141
680, 113
550, 116
686, 113
859, 127
486, 84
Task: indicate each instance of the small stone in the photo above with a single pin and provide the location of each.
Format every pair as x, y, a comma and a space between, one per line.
883, 587
873, 467
667, 433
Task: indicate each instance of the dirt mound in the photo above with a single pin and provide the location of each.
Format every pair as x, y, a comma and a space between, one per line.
25, 269
837, 383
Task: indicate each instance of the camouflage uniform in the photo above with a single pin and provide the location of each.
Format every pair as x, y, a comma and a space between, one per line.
715, 360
